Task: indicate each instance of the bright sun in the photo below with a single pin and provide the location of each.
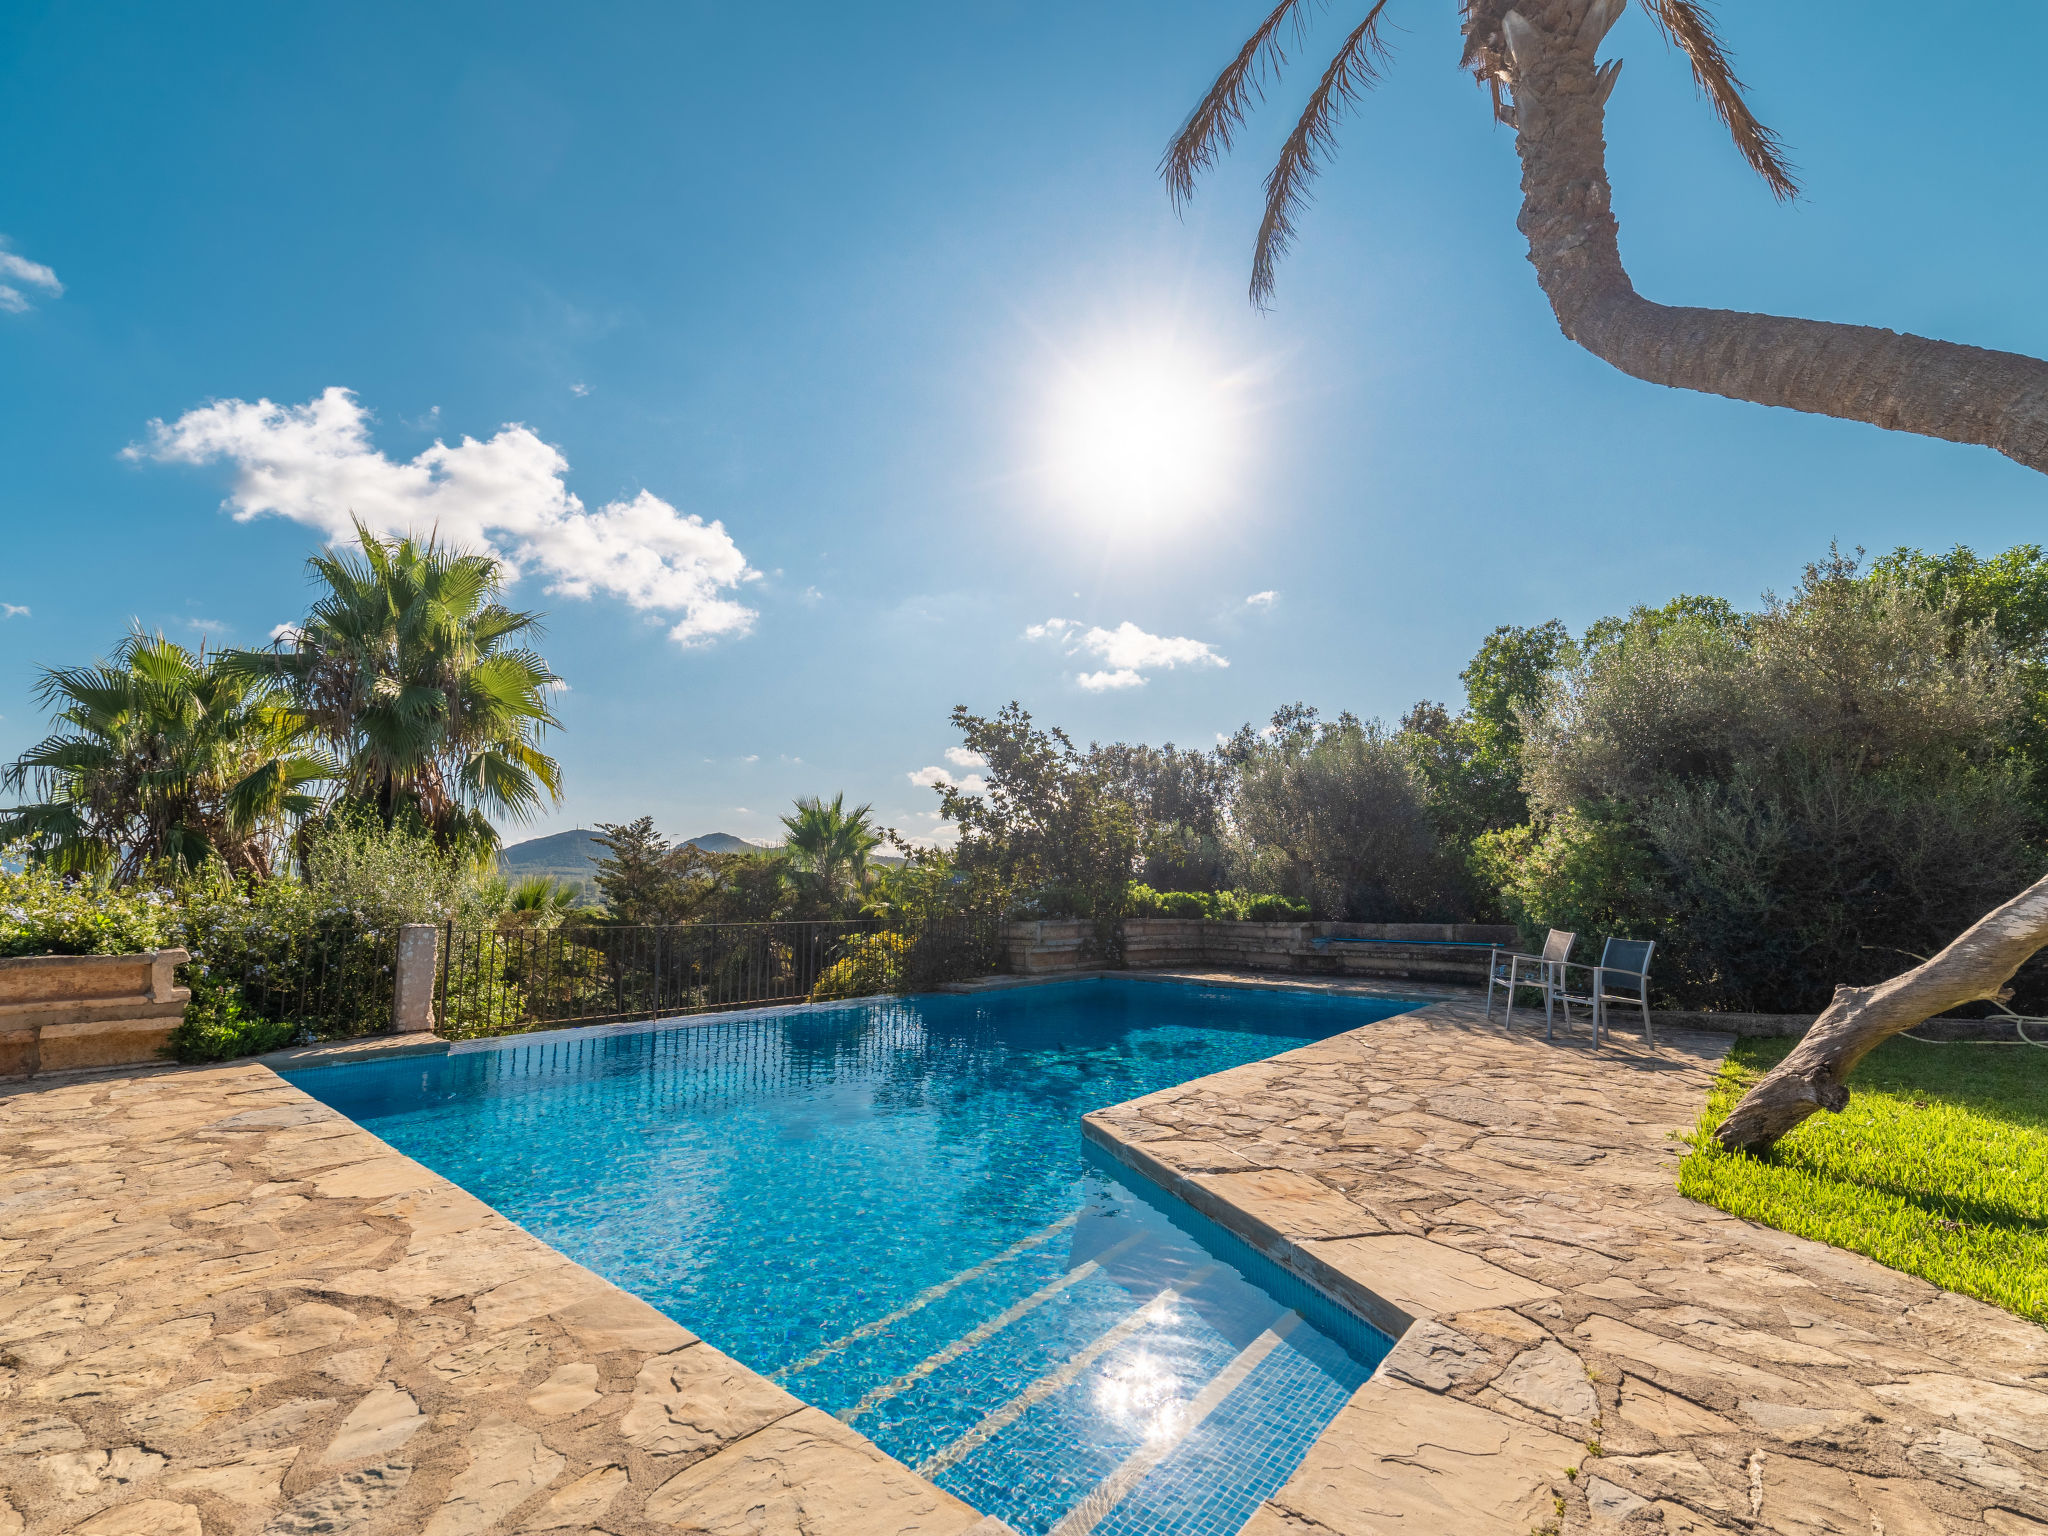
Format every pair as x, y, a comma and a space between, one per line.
1142, 434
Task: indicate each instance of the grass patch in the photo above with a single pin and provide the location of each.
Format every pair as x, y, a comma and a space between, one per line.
1938, 1167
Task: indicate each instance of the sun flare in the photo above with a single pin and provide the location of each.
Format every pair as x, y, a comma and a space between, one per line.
1142, 434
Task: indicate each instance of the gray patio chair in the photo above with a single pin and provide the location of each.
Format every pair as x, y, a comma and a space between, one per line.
1511, 969
1624, 963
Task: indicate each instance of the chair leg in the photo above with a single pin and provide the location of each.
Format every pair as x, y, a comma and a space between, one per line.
1507, 1021
1649, 1029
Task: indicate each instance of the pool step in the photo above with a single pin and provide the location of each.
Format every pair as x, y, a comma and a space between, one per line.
1062, 1378
1113, 1489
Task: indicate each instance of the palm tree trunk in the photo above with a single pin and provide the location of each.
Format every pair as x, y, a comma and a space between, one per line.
1860, 373
1974, 968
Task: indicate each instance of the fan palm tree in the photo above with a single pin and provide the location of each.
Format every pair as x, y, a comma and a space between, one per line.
422, 683
830, 843
537, 901
163, 758
1539, 62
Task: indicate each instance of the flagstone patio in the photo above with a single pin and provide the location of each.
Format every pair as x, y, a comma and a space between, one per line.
225, 1309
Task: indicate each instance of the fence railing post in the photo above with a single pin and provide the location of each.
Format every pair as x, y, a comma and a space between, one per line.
416, 973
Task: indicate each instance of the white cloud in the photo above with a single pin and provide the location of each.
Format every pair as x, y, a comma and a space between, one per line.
285, 634
27, 274
315, 464
1261, 599
1100, 682
936, 777
961, 757
206, 626
1129, 651
579, 390
751, 757
14, 611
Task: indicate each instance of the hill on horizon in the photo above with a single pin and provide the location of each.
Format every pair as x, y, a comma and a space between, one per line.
572, 857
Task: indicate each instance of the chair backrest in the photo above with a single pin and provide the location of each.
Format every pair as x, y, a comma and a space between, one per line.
1630, 957
1558, 946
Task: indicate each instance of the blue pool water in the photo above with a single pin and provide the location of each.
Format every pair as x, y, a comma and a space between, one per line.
889, 1208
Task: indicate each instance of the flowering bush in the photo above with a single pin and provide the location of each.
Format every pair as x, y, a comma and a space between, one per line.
44, 914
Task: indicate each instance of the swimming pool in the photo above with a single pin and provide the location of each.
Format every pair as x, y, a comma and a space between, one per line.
888, 1207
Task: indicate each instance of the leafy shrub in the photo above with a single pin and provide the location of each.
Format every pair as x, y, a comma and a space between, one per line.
216, 1028
874, 963
1274, 909
1215, 906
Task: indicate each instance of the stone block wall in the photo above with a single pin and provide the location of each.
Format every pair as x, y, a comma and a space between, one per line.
59, 1012
1412, 951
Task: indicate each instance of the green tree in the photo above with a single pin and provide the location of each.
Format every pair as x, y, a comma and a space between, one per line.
1051, 831
423, 685
1180, 799
1472, 762
830, 845
636, 878
161, 756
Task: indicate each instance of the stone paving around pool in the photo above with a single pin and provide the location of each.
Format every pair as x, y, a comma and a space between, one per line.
1511, 1204
226, 1310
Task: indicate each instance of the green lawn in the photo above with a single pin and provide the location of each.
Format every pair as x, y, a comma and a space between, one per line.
1938, 1167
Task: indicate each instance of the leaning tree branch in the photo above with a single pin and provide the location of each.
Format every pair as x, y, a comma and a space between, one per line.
1900, 382
1976, 967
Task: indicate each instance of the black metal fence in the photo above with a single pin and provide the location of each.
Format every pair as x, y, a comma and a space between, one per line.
503, 980
334, 982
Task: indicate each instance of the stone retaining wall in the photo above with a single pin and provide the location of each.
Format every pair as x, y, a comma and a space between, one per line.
1402, 951
59, 1012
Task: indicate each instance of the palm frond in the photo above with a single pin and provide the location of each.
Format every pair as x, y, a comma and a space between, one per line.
1687, 23
1354, 69
1214, 123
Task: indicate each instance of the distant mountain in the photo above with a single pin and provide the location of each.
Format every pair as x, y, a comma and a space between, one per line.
552, 855
725, 842
572, 857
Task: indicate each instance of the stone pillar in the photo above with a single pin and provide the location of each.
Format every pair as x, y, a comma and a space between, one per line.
412, 1005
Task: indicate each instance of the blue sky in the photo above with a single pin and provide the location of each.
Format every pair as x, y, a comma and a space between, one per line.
872, 289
